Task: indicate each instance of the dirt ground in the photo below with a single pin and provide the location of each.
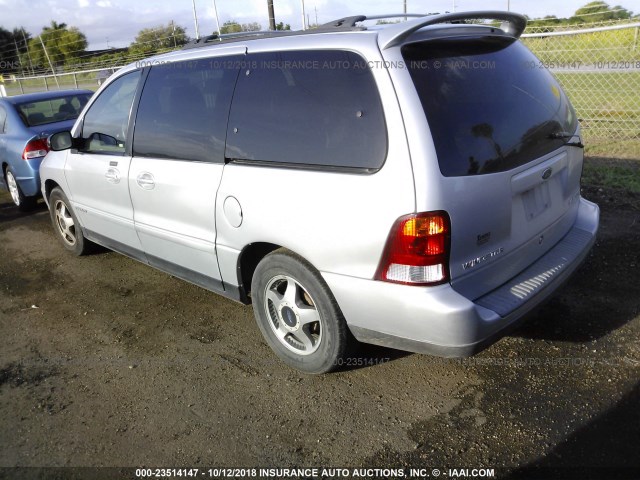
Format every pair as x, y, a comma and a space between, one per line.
107, 362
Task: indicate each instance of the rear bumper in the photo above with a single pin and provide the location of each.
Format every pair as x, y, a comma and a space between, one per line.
27, 175
440, 321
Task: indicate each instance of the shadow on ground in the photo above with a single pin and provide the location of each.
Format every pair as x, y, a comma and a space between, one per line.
8, 211
606, 448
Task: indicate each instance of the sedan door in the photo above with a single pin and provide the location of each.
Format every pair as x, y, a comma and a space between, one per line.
97, 172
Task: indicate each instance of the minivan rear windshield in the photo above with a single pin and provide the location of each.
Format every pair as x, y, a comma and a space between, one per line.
488, 105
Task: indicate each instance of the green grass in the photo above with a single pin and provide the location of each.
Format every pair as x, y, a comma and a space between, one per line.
619, 177
624, 149
587, 48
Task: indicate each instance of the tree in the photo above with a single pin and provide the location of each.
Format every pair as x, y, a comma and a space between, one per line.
231, 26
64, 45
283, 26
599, 11
251, 27
12, 46
158, 39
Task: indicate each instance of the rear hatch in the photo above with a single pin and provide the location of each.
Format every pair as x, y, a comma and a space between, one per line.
503, 133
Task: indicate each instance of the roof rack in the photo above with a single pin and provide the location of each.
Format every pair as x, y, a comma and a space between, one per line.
349, 23
512, 24
215, 38
237, 36
341, 24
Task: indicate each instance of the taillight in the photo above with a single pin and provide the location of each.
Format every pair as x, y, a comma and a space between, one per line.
417, 251
35, 148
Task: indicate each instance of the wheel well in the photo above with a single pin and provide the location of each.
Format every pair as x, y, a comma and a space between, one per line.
48, 186
249, 259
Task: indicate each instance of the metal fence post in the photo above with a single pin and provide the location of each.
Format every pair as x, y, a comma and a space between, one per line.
46, 85
19, 82
75, 80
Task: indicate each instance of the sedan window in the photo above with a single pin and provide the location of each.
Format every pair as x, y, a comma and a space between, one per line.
52, 110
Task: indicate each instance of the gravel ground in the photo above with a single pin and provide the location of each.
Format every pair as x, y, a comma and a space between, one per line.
107, 362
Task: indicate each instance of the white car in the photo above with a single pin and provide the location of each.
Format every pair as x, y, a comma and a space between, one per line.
415, 185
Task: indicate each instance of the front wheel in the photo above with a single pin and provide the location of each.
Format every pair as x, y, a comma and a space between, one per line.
66, 225
297, 314
23, 203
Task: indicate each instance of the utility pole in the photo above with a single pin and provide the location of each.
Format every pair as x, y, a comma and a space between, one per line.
55, 77
454, 5
195, 19
26, 44
508, 5
304, 17
316, 15
405, 10
215, 10
272, 15
18, 55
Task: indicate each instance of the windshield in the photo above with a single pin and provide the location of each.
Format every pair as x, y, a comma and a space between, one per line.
52, 110
489, 107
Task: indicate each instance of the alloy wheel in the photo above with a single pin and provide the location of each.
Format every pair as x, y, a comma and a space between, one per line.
292, 314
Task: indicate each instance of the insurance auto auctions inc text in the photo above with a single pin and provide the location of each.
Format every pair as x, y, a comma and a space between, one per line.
307, 473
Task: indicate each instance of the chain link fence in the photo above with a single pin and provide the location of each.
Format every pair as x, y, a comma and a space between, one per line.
599, 68
87, 79
597, 64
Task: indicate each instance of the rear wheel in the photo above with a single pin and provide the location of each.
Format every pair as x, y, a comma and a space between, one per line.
66, 225
23, 203
297, 314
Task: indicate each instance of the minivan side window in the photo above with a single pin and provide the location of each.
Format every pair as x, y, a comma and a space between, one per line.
105, 125
319, 108
184, 110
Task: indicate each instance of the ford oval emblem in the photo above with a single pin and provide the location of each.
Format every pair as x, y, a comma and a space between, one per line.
547, 173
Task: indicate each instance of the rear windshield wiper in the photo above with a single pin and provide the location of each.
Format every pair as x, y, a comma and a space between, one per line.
568, 136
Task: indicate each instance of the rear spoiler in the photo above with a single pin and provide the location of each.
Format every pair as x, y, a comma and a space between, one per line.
512, 23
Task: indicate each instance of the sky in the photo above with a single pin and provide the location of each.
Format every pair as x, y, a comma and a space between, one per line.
115, 23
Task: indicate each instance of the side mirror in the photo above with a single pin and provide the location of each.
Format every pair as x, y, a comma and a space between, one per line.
60, 141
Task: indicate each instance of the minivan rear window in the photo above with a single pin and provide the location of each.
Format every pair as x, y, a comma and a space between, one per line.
488, 105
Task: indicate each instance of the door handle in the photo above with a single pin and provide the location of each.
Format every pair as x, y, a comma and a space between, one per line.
112, 175
146, 181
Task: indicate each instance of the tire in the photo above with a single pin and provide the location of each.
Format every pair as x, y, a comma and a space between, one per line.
66, 225
23, 203
297, 314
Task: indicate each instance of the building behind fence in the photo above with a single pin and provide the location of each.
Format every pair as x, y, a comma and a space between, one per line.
598, 66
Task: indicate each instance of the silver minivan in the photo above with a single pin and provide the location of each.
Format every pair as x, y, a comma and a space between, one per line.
413, 185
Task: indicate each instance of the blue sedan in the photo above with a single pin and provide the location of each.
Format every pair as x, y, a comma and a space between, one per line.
25, 123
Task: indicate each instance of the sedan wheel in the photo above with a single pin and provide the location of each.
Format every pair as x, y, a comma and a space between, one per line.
23, 203
13, 188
